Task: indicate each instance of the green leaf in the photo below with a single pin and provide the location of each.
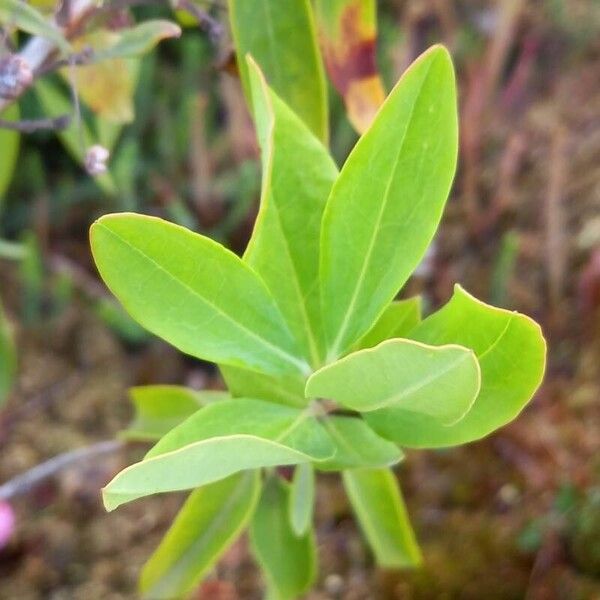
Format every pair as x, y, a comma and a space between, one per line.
219, 440
281, 37
288, 560
396, 321
193, 292
9, 142
138, 40
512, 355
388, 200
288, 390
159, 408
26, 18
8, 358
357, 445
302, 499
377, 502
298, 173
210, 520
439, 381
78, 136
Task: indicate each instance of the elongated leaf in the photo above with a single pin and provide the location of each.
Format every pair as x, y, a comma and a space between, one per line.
26, 18
439, 381
398, 319
281, 37
159, 408
8, 358
9, 142
288, 561
302, 499
295, 428
219, 440
210, 520
512, 355
77, 137
298, 173
377, 502
288, 390
138, 40
387, 202
192, 292
348, 32
357, 445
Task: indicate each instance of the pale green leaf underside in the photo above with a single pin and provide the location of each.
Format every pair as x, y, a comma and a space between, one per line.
439, 381
281, 37
302, 498
357, 445
387, 202
197, 464
209, 521
288, 560
159, 408
396, 321
512, 354
219, 440
377, 502
193, 293
298, 173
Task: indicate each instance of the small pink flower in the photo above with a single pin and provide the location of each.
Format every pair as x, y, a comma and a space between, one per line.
7, 523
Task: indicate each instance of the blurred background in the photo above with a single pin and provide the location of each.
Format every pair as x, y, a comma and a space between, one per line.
514, 516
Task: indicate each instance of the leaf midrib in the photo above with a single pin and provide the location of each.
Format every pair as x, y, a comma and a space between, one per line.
344, 326
300, 365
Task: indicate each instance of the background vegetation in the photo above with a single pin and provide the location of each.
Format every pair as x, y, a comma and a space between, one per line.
517, 515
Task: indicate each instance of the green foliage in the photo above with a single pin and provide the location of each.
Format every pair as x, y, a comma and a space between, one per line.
439, 381
379, 507
219, 440
138, 40
281, 36
284, 248
78, 135
511, 353
204, 317
8, 358
396, 321
357, 445
302, 498
288, 560
9, 142
159, 408
212, 517
325, 371
403, 165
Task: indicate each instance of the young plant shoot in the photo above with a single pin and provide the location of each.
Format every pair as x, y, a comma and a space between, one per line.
326, 371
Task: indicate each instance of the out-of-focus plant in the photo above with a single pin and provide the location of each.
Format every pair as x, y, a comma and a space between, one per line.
98, 62
8, 358
326, 372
